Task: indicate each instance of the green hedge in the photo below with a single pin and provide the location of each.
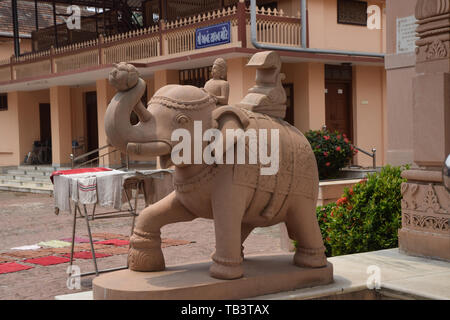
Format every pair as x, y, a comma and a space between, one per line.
367, 217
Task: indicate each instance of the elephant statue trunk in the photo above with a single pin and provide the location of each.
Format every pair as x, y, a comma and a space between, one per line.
128, 138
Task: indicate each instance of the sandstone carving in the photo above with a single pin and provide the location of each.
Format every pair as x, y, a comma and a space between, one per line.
218, 87
236, 196
268, 95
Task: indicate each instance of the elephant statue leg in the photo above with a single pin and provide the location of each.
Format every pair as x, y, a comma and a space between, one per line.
145, 244
301, 222
228, 204
245, 231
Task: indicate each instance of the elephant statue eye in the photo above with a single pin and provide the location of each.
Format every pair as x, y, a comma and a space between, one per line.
182, 119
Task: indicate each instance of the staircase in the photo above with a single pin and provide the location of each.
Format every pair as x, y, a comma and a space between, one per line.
33, 179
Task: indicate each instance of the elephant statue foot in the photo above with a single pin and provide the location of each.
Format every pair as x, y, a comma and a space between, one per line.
145, 253
226, 269
310, 258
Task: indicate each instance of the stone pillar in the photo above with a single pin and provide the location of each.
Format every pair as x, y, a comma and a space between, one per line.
309, 97
367, 112
150, 88
60, 113
426, 203
240, 78
400, 70
165, 77
9, 130
105, 93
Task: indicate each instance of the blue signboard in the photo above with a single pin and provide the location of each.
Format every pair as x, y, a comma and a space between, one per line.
213, 35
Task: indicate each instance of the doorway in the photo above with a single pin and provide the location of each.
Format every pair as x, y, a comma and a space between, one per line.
91, 123
45, 144
338, 99
289, 88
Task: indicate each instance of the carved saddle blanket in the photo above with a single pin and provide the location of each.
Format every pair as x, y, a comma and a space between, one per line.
297, 172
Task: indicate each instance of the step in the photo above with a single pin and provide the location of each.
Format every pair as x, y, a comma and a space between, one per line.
16, 172
31, 184
32, 173
25, 178
49, 169
9, 187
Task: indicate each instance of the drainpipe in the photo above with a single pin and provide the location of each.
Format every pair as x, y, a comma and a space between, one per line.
303, 48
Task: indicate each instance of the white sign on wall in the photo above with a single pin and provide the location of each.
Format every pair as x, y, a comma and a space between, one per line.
406, 34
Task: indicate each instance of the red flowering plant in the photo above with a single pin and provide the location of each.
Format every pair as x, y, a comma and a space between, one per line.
333, 151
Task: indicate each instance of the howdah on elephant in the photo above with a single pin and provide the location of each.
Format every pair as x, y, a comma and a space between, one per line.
236, 196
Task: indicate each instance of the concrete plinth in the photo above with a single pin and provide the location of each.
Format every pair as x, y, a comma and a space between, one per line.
262, 275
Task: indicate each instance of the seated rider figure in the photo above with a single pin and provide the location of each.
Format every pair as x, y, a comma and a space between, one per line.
218, 87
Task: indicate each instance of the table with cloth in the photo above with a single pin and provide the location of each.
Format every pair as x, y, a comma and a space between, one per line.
106, 187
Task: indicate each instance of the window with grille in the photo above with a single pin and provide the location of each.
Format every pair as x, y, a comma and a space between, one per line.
352, 12
195, 77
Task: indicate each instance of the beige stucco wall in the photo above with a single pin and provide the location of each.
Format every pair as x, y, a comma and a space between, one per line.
19, 125
164, 77
325, 32
309, 98
150, 87
78, 108
290, 7
7, 47
9, 131
240, 78
105, 92
29, 124
368, 112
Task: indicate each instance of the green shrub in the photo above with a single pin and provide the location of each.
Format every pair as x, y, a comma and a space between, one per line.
367, 217
333, 151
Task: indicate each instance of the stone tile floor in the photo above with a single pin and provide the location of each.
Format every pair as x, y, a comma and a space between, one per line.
27, 219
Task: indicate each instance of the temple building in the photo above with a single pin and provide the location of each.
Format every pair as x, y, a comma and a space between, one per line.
55, 57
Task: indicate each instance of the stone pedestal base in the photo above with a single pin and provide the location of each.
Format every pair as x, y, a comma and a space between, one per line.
425, 215
262, 275
424, 244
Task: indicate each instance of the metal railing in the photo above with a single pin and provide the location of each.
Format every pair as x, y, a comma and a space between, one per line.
373, 155
74, 160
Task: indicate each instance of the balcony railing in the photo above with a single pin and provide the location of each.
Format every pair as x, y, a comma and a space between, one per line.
154, 43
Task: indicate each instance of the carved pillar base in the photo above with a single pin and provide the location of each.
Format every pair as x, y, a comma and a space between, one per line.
425, 215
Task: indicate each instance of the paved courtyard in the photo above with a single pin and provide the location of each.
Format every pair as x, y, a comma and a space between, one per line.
27, 219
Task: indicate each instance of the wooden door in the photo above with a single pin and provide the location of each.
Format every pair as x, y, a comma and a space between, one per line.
338, 108
45, 122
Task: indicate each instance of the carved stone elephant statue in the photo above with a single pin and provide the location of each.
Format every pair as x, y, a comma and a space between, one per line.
236, 196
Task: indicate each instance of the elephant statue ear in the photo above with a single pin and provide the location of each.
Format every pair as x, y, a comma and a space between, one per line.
225, 114
229, 117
